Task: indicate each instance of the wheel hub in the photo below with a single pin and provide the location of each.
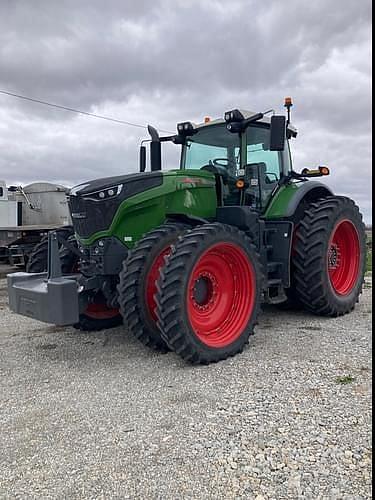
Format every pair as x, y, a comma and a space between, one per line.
334, 257
204, 291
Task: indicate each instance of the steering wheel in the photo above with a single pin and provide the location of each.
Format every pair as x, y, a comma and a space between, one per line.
216, 169
218, 162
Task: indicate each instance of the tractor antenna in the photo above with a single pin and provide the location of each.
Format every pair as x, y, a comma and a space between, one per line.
288, 105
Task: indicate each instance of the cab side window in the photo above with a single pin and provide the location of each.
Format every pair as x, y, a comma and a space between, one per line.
263, 167
271, 159
258, 151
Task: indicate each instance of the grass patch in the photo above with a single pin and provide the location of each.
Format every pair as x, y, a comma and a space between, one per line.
369, 262
345, 380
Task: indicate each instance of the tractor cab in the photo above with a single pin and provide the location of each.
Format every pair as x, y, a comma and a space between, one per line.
246, 166
248, 154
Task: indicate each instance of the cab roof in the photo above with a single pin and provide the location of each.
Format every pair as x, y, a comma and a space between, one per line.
246, 114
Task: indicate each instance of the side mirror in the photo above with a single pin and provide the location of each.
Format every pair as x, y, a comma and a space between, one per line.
278, 133
142, 158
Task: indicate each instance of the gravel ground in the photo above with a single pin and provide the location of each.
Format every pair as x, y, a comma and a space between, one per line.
99, 416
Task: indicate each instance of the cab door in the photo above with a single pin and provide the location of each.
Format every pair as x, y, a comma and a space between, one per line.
264, 168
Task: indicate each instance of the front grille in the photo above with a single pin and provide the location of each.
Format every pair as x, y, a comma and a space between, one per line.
87, 219
89, 216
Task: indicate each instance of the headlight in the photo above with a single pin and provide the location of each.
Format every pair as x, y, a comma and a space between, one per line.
186, 128
104, 194
233, 116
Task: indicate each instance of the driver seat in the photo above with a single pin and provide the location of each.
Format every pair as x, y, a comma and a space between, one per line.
260, 184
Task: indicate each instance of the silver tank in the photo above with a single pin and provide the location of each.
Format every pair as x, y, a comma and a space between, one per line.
44, 203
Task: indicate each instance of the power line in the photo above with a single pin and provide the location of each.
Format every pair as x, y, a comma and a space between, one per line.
73, 110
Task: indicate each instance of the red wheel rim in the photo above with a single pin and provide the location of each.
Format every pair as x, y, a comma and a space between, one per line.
100, 311
344, 257
151, 280
221, 295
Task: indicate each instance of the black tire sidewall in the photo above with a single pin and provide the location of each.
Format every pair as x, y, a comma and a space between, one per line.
155, 251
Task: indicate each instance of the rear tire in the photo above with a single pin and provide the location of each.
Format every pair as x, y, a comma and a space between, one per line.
330, 257
137, 285
209, 294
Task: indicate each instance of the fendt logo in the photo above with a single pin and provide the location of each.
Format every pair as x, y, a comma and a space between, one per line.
79, 215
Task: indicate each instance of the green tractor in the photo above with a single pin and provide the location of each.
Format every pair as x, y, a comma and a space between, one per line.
185, 258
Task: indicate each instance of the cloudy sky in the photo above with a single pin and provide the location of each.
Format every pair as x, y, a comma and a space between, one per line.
164, 61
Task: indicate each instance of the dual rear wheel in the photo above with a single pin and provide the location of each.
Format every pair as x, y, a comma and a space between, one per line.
329, 257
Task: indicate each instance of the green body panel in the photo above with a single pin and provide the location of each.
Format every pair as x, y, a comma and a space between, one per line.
278, 206
188, 192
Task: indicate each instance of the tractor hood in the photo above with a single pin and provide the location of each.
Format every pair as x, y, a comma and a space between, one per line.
130, 183
129, 206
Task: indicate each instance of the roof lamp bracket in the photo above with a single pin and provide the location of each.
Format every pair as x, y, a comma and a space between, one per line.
186, 128
237, 123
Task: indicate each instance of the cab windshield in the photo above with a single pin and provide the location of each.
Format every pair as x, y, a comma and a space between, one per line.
213, 145
229, 156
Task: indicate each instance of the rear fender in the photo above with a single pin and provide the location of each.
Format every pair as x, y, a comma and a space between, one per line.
291, 200
306, 194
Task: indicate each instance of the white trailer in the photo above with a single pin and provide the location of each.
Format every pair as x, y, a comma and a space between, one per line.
8, 208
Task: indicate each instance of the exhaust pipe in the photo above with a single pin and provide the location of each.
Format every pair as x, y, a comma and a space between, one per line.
155, 149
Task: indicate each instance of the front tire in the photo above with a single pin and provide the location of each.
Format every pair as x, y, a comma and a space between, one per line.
209, 294
330, 257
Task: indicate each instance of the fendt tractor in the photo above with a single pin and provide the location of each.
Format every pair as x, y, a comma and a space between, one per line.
185, 258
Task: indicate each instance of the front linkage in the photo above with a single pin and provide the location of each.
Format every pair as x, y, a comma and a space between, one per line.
57, 292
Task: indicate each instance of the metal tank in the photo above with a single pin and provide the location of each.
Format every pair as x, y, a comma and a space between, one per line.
27, 215
43, 204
